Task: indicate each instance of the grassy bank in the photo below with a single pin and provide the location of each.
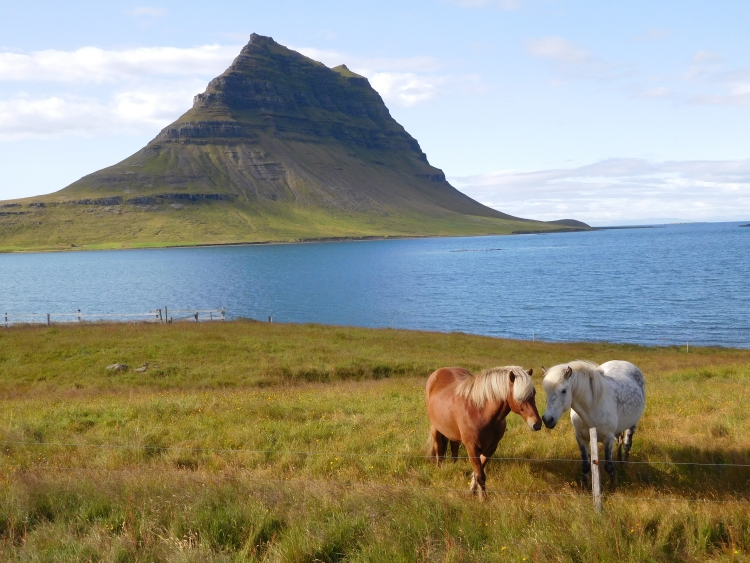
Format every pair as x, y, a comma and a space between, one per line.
246, 441
79, 227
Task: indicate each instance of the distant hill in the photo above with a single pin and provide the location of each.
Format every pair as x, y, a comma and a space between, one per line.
278, 148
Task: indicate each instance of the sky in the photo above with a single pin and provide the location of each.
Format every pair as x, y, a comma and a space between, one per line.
612, 113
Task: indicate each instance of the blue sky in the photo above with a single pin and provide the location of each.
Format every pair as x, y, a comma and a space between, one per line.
607, 112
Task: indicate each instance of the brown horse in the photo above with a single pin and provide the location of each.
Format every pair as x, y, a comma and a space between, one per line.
469, 408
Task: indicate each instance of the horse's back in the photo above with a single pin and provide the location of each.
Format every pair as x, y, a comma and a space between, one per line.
626, 372
444, 379
629, 387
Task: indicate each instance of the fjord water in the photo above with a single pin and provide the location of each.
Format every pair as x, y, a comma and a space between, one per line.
657, 286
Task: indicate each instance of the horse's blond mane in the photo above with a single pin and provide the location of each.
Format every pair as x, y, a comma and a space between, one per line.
587, 377
494, 385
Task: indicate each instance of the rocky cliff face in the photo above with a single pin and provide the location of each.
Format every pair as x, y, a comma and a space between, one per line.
277, 128
274, 89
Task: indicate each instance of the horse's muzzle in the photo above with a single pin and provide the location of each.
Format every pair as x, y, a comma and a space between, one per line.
536, 426
549, 422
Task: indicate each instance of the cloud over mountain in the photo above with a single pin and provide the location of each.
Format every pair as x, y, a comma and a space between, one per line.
91, 90
620, 191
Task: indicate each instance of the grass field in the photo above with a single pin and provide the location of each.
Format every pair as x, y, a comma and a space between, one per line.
246, 441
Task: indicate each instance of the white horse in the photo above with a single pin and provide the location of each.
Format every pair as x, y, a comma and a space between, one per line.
610, 397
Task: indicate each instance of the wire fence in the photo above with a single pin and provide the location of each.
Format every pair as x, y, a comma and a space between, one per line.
336, 455
306, 482
348, 455
165, 315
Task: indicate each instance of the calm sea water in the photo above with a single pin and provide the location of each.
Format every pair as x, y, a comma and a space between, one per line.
666, 285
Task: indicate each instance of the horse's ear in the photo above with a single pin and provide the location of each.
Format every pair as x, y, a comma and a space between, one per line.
544, 370
530, 371
568, 372
512, 377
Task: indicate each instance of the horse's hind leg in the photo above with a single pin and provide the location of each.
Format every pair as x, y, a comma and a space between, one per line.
454, 449
618, 438
440, 443
629, 441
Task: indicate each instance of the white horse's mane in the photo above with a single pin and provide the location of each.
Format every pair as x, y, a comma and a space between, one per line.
494, 385
587, 377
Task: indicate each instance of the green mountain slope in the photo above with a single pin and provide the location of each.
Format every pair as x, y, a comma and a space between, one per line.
278, 148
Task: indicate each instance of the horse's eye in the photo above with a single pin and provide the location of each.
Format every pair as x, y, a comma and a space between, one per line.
564, 391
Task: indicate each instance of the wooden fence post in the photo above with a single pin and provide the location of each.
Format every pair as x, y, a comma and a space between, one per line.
595, 483
6, 320
270, 319
223, 316
161, 320
166, 315
49, 323
196, 316
79, 315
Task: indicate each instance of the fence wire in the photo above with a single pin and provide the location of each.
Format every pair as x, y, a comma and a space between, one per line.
391, 487
349, 455
158, 315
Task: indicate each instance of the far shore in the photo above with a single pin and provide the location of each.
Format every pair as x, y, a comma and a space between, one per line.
310, 240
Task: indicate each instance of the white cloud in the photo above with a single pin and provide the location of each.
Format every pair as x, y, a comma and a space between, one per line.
94, 65
620, 191
502, 4
558, 49
403, 81
326, 34
144, 89
406, 89
660, 92
703, 57
571, 61
714, 85
146, 11
652, 34
145, 110
736, 97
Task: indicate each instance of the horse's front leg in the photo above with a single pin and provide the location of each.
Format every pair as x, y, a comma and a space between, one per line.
583, 445
478, 479
609, 465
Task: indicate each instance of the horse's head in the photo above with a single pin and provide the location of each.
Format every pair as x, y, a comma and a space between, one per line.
556, 385
526, 406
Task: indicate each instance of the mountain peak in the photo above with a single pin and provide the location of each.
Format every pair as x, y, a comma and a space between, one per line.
256, 39
269, 88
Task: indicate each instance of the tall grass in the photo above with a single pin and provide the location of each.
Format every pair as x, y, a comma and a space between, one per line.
253, 442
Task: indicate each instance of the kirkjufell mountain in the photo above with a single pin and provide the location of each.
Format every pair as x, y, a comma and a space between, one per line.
278, 148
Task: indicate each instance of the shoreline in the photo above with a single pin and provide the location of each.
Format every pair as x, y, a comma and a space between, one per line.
238, 320
366, 238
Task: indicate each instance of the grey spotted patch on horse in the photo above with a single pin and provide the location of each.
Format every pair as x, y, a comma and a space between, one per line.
627, 394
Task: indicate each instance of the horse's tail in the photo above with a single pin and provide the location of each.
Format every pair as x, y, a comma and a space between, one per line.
429, 446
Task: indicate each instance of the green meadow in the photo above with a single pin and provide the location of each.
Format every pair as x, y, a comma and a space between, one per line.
246, 441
